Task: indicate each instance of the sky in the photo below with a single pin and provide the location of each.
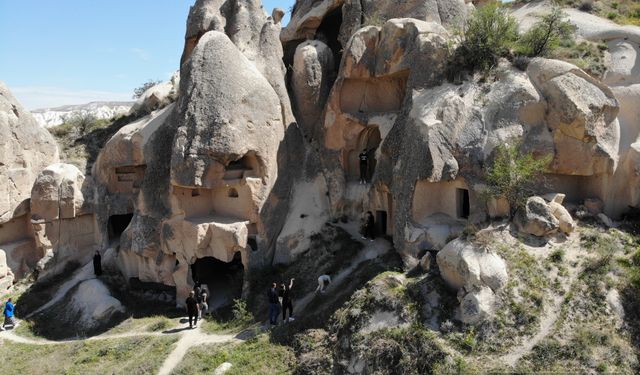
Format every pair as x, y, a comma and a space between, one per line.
58, 52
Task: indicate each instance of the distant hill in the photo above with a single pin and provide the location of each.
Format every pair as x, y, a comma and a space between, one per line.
48, 117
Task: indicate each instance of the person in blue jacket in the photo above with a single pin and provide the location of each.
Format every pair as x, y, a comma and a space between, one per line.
9, 320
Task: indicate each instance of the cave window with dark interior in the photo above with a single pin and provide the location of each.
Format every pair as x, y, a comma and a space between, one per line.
117, 224
369, 140
462, 197
222, 280
329, 31
233, 193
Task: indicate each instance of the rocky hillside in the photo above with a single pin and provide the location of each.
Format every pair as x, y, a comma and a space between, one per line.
494, 149
48, 117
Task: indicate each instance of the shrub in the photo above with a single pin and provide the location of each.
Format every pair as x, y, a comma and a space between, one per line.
546, 34
138, 91
586, 5
487, 35
513, 174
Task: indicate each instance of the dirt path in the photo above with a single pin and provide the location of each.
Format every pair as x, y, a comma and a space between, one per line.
551, 311
189, 339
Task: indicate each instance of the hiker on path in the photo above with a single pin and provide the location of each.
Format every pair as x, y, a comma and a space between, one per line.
9, 320
97, 264
274, 304
285, 293
192, 309
369, 227
198, 295
364, 166
323, 283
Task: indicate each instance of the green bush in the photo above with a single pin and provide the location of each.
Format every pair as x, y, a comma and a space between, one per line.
487, 35
513, 174
546, 35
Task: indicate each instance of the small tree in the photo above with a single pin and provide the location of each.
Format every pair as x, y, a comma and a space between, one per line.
138, 91
513, 174
487, 35
546, 34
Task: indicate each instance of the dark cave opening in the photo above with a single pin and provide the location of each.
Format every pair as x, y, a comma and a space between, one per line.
117, 225
222, 280
329, 32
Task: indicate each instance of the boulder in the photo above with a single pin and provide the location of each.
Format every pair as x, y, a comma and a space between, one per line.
567, 225
313, 76
425, 262
463, 264
157, 96
57, 193
536, 218
477, 306
581, 113
94, 305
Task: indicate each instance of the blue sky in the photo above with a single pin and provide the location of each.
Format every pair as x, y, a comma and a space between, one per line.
56, 52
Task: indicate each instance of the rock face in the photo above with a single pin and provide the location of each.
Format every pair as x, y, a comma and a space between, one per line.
25, 149
64, 226
476, 274
6, 276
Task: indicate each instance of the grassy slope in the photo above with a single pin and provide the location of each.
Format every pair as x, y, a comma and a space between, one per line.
121, 356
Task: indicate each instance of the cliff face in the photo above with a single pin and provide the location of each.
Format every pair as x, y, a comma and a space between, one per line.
262, 145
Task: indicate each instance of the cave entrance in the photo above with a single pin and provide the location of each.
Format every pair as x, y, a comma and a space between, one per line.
223, 280
463, 204
329, 31
117, 224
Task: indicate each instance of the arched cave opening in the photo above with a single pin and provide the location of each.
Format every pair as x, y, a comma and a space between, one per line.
222, 280
369, 140
117, 224
329, 31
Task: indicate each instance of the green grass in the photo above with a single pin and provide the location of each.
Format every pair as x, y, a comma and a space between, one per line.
255, 356
115, 356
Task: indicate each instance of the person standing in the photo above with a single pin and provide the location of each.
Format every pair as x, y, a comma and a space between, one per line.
192, 309
204, 306
9, 320
369, 226
286, 301
323, 283
274, 304
364, 166
198, 297
97, 264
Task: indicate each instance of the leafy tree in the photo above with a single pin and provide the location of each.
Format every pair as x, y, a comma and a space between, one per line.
138, 91
513, 174
546, 34
487, 35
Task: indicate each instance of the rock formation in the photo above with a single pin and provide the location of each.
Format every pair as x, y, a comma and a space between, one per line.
25, 150
220, 178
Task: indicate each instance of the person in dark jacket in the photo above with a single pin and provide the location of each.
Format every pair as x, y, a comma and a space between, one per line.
192, 309
285, 293
369, 226
364, 166
97, 264
274, 304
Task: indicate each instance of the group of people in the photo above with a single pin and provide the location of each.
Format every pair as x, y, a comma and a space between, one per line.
197, 305
280, 299
9, 319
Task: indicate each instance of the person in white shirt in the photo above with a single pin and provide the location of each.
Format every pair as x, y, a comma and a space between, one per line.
323, 283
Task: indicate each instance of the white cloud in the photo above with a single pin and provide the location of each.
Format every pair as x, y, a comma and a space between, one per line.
35, 97
141, 53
